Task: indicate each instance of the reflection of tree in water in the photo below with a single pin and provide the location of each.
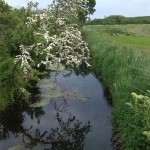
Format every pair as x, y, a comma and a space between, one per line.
70, 135
35, 113
12, 118
82, 70
60, 107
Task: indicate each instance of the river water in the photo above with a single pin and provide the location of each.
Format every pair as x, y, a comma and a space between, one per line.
77, 121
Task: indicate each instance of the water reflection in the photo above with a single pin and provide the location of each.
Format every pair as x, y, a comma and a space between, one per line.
12, 119
68, 135
63, 123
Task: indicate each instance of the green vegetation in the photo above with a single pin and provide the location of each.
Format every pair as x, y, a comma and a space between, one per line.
89, 5
118, 19
53, 90
120, 54
138, 42
124, 70
133, 36
13, 33
32, 39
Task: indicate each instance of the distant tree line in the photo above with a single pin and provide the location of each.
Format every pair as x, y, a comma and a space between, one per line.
119, 19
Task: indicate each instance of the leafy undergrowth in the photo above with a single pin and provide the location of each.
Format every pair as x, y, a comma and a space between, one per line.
124, 70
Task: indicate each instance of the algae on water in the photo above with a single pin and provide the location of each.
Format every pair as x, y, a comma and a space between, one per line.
59, 68
19, 146
51, 90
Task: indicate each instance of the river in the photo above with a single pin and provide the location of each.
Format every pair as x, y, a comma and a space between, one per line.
78, 120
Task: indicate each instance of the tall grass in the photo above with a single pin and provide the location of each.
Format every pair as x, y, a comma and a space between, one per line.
139, 42
140, 29
124, 71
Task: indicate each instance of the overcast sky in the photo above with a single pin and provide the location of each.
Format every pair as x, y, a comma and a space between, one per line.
104, 8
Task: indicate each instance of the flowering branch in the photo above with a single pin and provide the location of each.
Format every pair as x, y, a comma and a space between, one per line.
62, 41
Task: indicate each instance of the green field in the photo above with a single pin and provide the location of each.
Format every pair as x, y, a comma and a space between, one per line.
138, 42
120, 55
134, 36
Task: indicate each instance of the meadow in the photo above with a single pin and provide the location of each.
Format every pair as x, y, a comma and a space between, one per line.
121, 56
133, 36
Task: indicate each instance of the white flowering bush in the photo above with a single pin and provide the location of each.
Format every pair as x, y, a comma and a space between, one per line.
25, 58
62, 42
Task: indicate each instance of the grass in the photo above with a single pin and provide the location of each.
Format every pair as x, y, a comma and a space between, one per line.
124, 70
140, 29
133, 36
138, 42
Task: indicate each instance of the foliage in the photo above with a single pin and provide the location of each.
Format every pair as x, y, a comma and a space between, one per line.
89, 5
38, 37
13, 33
118, 19
4, 7
141, 107
61, 40
6, 75
123, 70
114, 19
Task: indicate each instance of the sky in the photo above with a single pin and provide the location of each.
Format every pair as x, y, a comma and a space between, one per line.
104, 8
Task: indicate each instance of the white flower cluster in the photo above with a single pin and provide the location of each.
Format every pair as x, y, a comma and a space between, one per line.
67, 48
63, 41
24, 58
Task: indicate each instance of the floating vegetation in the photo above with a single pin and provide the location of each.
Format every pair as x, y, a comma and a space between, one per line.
51, 90
46, 83
19, 146
59, 68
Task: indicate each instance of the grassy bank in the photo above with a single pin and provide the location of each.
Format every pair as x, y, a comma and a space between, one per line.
124, 70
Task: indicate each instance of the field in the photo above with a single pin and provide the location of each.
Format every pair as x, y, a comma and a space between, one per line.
133, 36
121, 56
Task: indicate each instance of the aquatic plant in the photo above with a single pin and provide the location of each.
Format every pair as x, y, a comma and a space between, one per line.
51, 90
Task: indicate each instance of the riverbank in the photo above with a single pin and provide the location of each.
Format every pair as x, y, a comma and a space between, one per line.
124, 70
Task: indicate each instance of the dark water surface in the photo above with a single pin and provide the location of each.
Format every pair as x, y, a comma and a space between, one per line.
62, 124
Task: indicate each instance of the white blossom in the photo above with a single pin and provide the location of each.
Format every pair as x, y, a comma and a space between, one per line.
24, 58
63, 42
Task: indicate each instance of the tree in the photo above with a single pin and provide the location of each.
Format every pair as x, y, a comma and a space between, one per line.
58, 39
114, 19
89, 5
4, 7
